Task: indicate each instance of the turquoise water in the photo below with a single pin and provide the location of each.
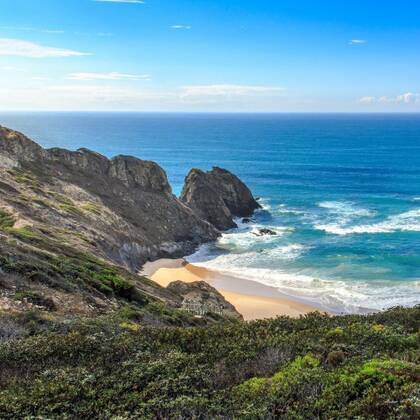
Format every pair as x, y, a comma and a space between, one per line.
342, 191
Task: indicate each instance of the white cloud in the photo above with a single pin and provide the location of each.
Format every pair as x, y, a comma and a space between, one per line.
88, 96
107, 76
405, 98
17, 47
367, 100
81, 97
226, 90
180, 27
409, 98
51, 31
120, 1
357, 41
30, 29
11, 68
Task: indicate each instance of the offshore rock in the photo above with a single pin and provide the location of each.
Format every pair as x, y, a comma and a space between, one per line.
218, 196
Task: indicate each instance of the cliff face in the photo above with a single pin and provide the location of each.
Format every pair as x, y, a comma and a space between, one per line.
218, 196
124, 206
75, 227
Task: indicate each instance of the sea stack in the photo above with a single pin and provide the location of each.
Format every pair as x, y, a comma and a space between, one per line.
218, 196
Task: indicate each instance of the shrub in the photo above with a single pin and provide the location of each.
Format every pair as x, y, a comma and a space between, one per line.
36, 299
9, 328
336, 358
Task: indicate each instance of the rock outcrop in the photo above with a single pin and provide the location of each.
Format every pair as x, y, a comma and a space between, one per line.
218, 196
123, 207
76, 227
200, 298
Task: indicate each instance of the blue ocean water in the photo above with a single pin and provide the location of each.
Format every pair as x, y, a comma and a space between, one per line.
341, 190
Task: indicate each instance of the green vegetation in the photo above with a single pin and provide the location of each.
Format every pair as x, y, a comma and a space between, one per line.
349, 367
70, 208
134, 354
26, 233
92, 208
61, 198
35, 298
68, 270
25, 177
6, 220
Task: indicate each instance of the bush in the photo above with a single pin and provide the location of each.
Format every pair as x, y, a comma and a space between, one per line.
36, 299
9, 328
336, 358
117, 366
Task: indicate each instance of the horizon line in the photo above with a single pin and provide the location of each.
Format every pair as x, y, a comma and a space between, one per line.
200, 112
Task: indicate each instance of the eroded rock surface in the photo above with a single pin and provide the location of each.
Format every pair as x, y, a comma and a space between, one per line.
75, 228
124, 206
201, 298
218, 196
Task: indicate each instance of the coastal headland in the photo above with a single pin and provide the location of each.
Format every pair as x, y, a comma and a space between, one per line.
84, 333
122, 212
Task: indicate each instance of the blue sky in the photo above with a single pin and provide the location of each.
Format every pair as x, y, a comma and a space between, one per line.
201, 55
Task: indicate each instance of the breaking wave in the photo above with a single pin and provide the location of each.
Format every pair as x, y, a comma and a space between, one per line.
333, 295
404, 222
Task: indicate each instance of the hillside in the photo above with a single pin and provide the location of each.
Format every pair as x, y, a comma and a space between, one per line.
76, 227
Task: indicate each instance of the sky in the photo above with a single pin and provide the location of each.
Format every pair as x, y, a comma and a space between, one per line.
210, 55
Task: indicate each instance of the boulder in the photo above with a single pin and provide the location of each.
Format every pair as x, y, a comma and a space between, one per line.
218, 196
200, 298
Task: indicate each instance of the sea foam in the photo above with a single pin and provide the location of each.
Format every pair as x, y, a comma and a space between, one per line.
404, 222
337, 296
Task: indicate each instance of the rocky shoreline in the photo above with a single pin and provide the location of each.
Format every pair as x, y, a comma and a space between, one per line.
55, 203
140, 219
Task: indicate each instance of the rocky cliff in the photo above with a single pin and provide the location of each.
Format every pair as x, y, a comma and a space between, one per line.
218, 196
75, 227
124, 206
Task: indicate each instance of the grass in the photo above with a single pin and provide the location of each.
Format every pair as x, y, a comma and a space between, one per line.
92, 208
61, 198
26, 233
56, 264
6, 220
71, 209
25, 177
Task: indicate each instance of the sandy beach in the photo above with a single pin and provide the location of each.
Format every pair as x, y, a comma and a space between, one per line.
253, 300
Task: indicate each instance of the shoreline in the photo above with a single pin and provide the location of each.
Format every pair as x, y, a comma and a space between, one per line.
251, 299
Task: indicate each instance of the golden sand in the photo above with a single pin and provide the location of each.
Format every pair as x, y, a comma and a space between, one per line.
253, 300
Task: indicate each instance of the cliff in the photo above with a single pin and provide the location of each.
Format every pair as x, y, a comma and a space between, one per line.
75, 228
124, 206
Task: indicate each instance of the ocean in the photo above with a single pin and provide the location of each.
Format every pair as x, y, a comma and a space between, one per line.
341, 190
